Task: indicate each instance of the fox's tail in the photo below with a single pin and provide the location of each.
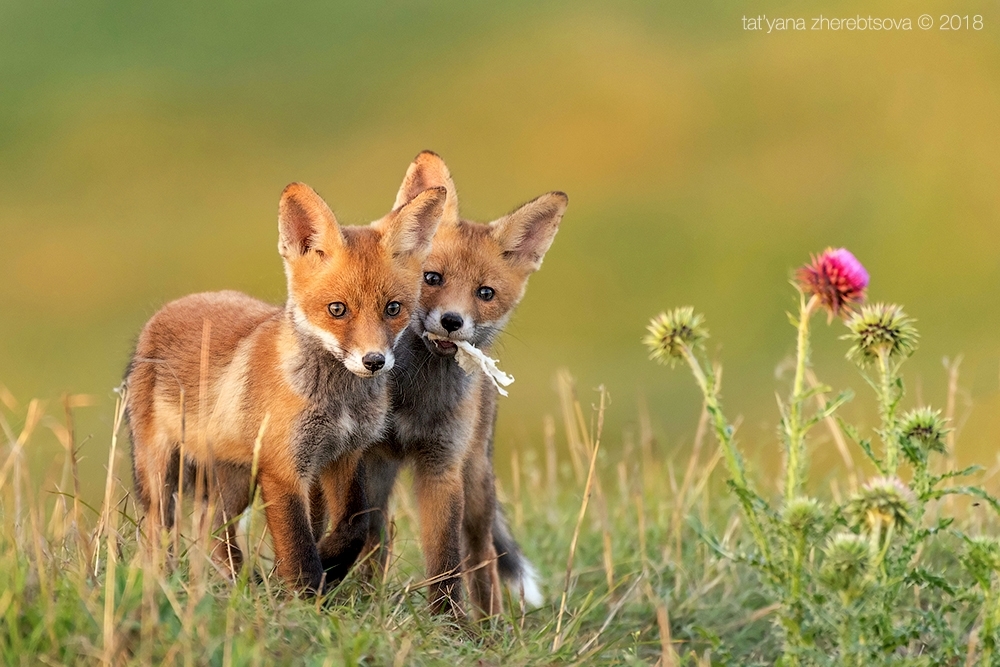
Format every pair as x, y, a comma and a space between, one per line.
515, 570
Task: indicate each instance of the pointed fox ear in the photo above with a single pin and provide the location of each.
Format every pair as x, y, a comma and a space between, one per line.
428, 170
526, 233
408, 230
306, 223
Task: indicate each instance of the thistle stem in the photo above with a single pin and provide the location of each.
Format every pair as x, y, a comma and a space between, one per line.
794, 439
887, 406
731, 456
793, 624
794, 431
722, 431
846, 631
991, 611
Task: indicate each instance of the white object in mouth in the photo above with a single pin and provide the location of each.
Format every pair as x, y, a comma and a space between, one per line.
469, 357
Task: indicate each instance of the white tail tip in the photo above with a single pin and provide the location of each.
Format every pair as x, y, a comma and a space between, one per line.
528, 585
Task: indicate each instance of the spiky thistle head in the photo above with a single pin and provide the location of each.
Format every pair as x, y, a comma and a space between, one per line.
982, 558
923, 430
883, 501
803, 514
672, 331
846, 562
836, 278
880, 330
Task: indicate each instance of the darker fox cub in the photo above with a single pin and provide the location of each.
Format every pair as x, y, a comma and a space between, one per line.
214, 372
442, 419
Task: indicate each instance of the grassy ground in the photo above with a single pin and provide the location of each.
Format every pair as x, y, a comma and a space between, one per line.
623, 543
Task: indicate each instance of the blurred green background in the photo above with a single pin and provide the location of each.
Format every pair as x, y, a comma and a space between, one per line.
143, 147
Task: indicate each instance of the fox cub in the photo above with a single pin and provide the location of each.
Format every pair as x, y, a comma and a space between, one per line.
442, 419
214, 372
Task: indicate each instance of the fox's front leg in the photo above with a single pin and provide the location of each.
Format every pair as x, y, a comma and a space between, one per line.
440, 501
342, 484
286, 508
380, 477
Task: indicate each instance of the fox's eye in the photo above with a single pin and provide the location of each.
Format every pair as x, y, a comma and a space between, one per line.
433, 278
392, 308
485, 293
338, 309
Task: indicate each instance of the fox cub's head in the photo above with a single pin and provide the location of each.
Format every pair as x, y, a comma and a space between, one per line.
355, 288
477, 273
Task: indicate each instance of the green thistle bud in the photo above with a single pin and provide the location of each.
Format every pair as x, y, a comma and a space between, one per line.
925, 427
846, 561
982, 558
671, 332
883, 501
880, 330
803, 514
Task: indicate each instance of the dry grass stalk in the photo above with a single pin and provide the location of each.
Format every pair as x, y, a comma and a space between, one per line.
646, 439
681, 498
668, 656
108, 528
551, 460
617, 607
952, 366
515, 471
564, 387
583, 441
557, 640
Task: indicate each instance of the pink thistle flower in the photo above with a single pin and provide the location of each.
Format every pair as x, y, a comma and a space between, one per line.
836, 279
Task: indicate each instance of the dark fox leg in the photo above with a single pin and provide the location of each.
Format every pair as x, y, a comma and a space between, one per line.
343, 489
295, 554
155, 463
380, 478
480, 558
155, 459
319, 516
232, 490
160, 476
440, 499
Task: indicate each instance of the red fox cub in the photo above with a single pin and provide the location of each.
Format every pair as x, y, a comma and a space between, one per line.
209, 369
442, 419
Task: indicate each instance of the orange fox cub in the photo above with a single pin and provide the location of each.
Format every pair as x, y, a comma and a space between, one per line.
442, 419
214, 372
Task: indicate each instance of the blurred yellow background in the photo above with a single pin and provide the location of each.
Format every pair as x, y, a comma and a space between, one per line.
143, 147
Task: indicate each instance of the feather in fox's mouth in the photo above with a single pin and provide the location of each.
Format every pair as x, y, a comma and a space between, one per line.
470, 359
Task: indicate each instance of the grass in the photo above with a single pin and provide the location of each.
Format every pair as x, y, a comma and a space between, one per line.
620, 540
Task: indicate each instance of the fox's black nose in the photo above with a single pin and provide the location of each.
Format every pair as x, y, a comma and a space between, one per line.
451, 322
373, 361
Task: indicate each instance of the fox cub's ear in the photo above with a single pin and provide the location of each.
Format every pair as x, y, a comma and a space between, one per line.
306, 223
526, 233
408, 230
428, 170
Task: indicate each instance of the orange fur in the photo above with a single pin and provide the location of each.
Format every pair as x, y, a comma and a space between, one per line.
318, 380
